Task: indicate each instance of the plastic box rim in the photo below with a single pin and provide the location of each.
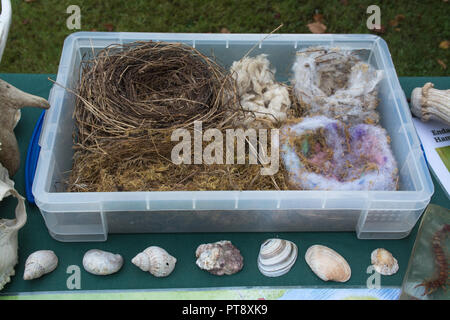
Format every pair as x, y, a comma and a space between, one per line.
44, 199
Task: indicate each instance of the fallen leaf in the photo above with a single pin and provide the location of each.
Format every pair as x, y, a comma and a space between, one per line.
318, 17
109, 26
224, 30
442, 63
277, 15
317, 27
444, 44
393, 23
398, 29
26, 21
397, 20
28, 1
344, 2
379, 29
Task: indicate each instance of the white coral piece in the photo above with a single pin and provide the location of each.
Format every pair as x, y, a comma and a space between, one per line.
429, 103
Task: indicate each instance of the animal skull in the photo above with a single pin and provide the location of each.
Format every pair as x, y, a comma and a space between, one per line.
11, 100
9, 229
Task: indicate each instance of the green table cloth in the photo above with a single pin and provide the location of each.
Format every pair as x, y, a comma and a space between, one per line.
34, 236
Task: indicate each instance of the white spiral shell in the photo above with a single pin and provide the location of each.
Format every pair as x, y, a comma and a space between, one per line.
39, 263
101, 262
155, 260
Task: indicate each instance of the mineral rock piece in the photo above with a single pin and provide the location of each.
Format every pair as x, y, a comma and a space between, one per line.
219, 258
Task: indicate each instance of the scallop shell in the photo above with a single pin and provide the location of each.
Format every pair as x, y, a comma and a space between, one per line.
276, 257
155, 260
327, 264
101, 262
383, 262
39, 263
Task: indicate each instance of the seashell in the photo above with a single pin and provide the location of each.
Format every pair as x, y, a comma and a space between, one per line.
39, 263
383, 262
429, 103
327, 264
276, 257
219, 258
155, 260
102, 263
9, 229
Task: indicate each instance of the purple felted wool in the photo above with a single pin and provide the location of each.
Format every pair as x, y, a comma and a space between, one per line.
362, 158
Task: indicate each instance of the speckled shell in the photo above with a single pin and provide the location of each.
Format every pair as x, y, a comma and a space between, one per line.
219, 258
102, 263
39, 263
327, 264
383, 262
276, 257
155, 260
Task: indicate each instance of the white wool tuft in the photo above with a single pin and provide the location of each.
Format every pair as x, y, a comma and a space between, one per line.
259, 93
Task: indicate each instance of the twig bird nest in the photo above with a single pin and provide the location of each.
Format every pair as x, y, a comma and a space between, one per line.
130, 99
132, 90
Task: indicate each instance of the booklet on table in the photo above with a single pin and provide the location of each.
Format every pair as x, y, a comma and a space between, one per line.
435, 139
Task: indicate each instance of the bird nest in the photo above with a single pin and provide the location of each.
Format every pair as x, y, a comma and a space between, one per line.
131, 98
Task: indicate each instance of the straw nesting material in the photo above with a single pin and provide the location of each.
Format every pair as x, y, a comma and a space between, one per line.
130, 99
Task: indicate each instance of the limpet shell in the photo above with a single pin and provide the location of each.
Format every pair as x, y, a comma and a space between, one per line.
327, 264
101, 262
155, 260
384, 262
276, 257
39, 263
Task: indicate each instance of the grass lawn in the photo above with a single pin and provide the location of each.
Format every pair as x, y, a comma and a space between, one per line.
39, 26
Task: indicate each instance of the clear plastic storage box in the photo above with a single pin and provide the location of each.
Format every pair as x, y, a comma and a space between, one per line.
91, 216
